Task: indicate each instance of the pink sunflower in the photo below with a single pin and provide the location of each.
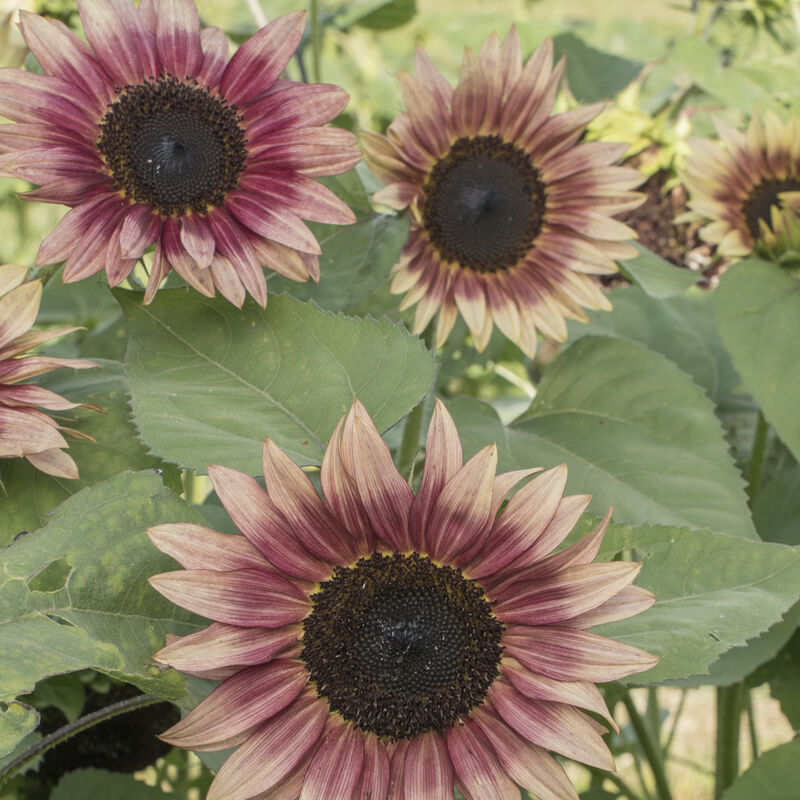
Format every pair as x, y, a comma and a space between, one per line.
152, 136
510, 216
25, 430
376, 644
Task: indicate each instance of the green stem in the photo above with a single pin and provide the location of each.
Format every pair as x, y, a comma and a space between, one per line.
410, 444
650, 747
675, 719
729, 714
757, 458
653, 714
316, 42
621, 785
82, 724
751, 723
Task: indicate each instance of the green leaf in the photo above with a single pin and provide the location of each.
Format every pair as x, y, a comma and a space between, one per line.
17, 721
713, 592
757, 306
382, 15
776, 510
64, 692
105, 615
657, 277
355, 261
593, 75
682, 328
101, 783
772, 776
32, 494
635, 432
785, 680
208, 382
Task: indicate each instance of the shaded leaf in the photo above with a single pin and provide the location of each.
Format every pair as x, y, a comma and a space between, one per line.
102, 783
773, 775
208, 382
17, 721
785, 680
657, 277
757, 306
776, 510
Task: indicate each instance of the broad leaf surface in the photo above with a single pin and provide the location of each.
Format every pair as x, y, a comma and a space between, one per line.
757, 306
31, 494
713, 592
657, 277
75, 594
772, 776
635, 432
208, 382
17, 720
682, 328
776, 510
785, 680
101, 783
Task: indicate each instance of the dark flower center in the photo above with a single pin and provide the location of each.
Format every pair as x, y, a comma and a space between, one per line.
173, 145
401, 646
760, 201
484, 204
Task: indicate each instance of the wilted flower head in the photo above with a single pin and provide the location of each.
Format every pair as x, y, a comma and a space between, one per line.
25, 431
153, 136
510, 217
748, 185
373, 643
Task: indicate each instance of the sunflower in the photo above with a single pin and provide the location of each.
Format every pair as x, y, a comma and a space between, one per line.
510, 218
748, 185
379, 644
25, 431
152, 136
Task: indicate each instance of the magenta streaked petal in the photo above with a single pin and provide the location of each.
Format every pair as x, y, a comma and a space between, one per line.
521, 522
461, 515
20, 369
284, 260
62, 53
527, 765
214, 45
178, 37
219, 646
309, 159
196, 547
537, 687
227, 280
260, 60
237, 706
197, 238
117, 267
428, 772
30, 395
180, 260
90, 256
18, 310
432, 129
574, 655
322, 138
125, 47
140, 229
386, 497
475, 763
555, 599
341, 494
255, 515
553, 726
25, 433
397, 763
301, 105
443, 458
469, 97
298, 502
335, 769
158, 271
374, 784
62, 241
628, 602
239, 597
284, 227
432, 78
397, 195
272, 752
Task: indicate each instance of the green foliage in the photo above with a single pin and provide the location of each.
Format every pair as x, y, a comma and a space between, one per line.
773, 776
757, 307
208, 382
101, 783
658, 278
635, 431
17, 720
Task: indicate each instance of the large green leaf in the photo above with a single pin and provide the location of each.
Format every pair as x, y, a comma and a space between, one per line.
713, 592
208, 382
682, 328
657, 277
376, 14
31, 495
757, 306
772, 776
75, 594
776, 510
785, 680
634, 430
17, 720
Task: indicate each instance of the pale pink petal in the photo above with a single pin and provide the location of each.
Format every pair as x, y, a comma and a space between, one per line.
475, 763
397, 754
430, 77
54, 462
140, 228
197, 238
428, 772
25, 433
178, 37
18, 310
335, 769
628, 602
271, 753
239, 597
158, 271
300, 105
227, 280
214, 45
374, 784
180, 260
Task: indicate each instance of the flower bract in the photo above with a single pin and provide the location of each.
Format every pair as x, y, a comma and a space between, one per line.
153, 136
25, 430
748, 186
376, 643
511, 216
